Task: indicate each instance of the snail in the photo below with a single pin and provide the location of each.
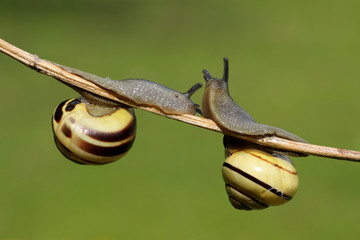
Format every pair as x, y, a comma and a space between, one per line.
218, 105
93, 130
146, 93
256, 178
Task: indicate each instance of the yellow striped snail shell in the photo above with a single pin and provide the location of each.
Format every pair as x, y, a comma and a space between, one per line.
93, 134
256, 178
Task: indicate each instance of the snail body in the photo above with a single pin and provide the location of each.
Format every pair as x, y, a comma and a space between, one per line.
147, 93
256, 178
92, 134
218, 105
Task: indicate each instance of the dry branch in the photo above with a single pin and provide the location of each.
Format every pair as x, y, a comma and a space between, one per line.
48, 68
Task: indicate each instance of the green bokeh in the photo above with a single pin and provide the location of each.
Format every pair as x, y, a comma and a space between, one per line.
293, 64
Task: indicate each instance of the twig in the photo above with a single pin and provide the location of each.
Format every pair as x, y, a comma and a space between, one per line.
48, 68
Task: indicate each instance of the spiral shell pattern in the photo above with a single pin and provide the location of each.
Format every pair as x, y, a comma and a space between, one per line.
95, 140
256, 179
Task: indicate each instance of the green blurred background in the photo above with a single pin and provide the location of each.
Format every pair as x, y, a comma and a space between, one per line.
293, 64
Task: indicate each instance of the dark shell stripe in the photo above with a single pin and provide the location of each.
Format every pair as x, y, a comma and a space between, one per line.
130, 134
105, 151
125, 133
275, 165
257, 181
66, 131
239, 205
241, 192
71, 105
69, 155
59, 112
64, 151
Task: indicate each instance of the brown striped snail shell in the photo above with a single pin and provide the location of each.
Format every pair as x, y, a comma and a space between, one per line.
256, 178
93, 134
